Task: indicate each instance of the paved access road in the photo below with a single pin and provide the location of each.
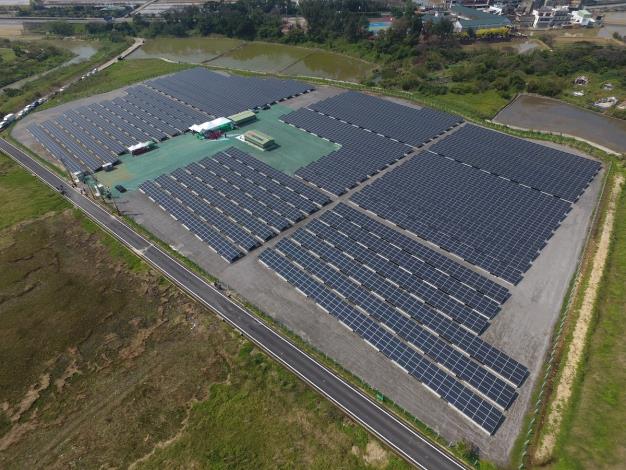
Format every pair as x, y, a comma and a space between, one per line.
368, 413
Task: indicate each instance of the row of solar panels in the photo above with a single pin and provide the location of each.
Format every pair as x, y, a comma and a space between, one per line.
549, 170
362, 154
344, 256
393, 120
480, 411
489, 221
89, 137
223, 95
232, 201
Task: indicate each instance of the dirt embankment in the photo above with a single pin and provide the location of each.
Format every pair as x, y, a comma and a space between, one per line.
576, 348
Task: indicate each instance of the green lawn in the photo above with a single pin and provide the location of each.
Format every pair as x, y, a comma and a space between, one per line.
481, 105
594, 434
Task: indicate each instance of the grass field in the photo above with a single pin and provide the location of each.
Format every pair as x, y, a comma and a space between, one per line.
105, 366
22, 195
480, 105
593, 434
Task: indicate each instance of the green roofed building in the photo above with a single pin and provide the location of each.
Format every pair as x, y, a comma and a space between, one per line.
242, 117
259, 140
470, 18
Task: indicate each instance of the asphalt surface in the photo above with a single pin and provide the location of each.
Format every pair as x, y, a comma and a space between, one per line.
406, 442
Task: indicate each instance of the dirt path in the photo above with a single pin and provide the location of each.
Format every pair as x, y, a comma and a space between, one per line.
577, 346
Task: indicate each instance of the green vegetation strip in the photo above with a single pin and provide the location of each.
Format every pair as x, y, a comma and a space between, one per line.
593, 433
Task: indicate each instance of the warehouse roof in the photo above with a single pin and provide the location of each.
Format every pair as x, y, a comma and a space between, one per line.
472, 18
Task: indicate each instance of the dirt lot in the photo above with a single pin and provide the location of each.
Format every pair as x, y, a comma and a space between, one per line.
105, 364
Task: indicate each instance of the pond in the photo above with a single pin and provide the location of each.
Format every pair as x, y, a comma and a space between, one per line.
547, 114
193, 50
257, 57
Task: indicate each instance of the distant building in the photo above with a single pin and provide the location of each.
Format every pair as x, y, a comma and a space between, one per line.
469, 18
583, 18
551, 17
473, 3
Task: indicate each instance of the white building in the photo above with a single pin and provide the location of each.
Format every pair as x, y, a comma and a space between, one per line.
582, 18
550, 17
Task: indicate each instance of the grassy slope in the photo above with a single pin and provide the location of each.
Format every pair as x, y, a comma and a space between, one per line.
593, 434
127, 361
117, 75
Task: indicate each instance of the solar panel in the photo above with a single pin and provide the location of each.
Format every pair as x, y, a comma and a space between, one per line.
409, 330
362, 154
458, 395
489, 221
384, 117
546, 169
222, 95
241, 204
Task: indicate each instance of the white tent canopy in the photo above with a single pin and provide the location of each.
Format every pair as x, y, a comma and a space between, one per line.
210, 125
140, 145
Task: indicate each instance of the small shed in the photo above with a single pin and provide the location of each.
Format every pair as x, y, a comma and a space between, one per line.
141, 147
259, 140
242, 118
581, 80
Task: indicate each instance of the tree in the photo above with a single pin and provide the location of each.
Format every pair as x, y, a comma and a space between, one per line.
61, 28
443, 29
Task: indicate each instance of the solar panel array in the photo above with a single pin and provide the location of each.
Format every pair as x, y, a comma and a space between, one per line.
419, 308
223, 95
362, 154
489, 221
549, 170
88, 137
393, 120
232, 201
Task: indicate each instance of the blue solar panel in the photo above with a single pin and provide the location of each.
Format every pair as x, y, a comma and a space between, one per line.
458, 395
203, 231
240, 204
409, 330
393, 120
223, 95
489, 221
553, 171
362, 154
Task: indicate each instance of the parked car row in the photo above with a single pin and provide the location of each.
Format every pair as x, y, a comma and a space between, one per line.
9, 118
